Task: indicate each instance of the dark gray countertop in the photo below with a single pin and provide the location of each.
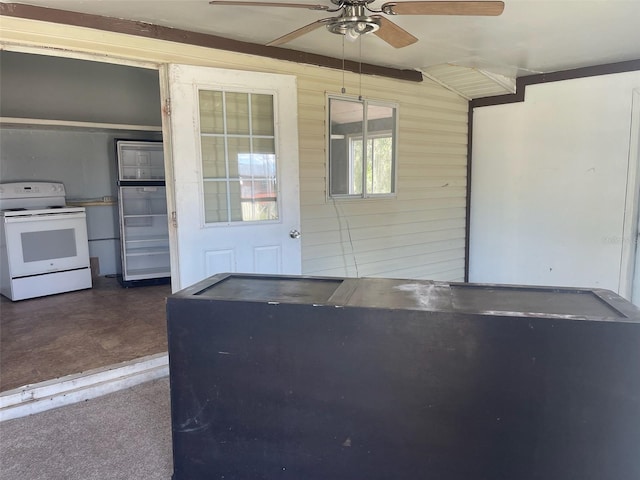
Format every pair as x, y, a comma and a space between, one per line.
511, 300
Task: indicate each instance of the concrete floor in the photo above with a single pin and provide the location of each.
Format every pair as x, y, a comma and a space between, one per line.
48, 337
121, 436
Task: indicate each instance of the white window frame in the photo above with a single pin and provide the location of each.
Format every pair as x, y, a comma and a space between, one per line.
364, 136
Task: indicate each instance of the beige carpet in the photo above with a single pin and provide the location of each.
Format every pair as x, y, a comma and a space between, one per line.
121, 436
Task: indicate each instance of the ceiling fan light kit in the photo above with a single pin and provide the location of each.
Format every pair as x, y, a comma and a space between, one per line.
354, 19
353, 27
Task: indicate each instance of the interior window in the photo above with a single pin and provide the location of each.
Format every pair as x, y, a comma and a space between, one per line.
362, 148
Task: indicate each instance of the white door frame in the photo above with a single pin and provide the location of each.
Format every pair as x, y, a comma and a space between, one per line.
166, 127
630, 247
165, 103
166, 132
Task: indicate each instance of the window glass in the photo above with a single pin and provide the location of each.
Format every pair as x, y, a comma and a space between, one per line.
262, 114
215, 201
211, 113
213, 157
237, 146
361, 148
237, 113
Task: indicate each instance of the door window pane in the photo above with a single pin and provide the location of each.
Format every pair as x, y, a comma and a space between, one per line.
266, 146
215, 202
213, 157
237, 113
235, 201
238, 160
211, 112
238, 148
262, 114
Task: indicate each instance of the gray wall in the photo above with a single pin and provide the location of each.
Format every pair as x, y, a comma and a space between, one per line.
35, 86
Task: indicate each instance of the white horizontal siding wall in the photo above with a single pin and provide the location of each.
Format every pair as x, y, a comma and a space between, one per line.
418, 234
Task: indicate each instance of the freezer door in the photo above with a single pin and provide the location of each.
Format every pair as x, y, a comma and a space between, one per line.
144, 233
140, 160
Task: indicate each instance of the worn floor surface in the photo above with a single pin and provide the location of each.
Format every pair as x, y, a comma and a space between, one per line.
48, 337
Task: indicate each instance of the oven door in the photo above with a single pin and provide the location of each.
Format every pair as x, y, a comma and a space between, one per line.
46, 243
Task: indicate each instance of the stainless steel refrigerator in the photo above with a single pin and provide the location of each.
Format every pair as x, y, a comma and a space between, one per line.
142, 203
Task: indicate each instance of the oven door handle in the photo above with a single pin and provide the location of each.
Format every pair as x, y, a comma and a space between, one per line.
44, 217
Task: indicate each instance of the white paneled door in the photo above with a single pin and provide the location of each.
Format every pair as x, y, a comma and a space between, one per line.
234, 157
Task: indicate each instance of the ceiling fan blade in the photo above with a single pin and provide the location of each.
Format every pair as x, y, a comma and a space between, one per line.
393, 34
268, 4
489, 8
298, 33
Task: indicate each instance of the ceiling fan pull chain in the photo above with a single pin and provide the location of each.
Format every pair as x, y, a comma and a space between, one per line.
360, 67
344, 90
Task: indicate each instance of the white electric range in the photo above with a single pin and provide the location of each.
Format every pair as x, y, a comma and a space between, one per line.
44, 247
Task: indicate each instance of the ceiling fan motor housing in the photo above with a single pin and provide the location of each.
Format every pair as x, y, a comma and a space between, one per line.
346, 3
354, 21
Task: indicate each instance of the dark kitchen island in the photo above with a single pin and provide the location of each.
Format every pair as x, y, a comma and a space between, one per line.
308, 378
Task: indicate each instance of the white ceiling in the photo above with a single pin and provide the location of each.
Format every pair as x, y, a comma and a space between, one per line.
531, 36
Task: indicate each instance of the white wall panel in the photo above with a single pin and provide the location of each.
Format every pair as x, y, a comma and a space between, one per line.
548, 184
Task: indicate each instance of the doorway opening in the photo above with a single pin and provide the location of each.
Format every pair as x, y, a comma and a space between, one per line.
60, 119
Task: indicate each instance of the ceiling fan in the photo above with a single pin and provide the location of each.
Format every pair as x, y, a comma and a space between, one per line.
354, 19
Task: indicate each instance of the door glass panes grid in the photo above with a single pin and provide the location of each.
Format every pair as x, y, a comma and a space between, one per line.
237, 144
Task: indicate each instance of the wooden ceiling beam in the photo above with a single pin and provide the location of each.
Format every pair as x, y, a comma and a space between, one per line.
142, 29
